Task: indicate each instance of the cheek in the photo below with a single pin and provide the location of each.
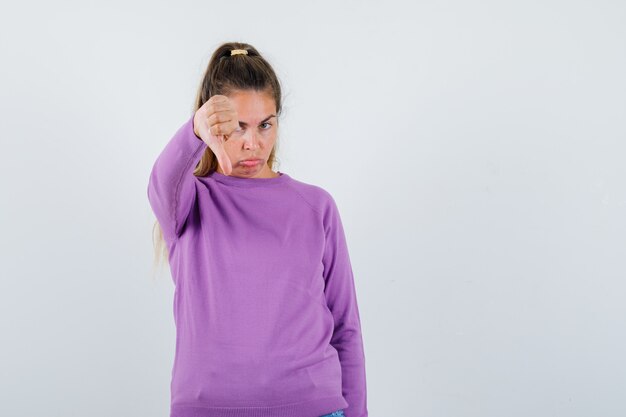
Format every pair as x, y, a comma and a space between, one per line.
269, 139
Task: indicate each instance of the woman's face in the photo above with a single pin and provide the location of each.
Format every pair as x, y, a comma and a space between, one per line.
256, 135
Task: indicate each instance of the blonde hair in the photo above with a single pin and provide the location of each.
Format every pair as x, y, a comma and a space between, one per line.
224, 75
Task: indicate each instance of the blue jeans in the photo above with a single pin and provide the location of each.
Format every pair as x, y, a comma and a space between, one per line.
338, 413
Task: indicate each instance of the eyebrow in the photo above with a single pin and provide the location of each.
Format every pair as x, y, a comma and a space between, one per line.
262, 121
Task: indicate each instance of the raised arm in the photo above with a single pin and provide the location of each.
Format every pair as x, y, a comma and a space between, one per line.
342, 301
171, 188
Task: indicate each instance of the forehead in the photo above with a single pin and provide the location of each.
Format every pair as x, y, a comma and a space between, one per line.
253, 106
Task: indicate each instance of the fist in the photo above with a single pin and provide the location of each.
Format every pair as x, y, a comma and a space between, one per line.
213, 123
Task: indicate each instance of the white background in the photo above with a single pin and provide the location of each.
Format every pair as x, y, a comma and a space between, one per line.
476, 151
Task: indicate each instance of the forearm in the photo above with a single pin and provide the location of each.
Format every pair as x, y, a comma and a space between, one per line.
171, 183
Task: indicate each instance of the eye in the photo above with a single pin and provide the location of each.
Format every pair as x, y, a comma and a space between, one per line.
267, 123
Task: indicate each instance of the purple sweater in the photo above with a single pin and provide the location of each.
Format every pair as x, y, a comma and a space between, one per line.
267, 322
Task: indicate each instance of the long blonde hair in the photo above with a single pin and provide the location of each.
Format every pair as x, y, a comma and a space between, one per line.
224, 75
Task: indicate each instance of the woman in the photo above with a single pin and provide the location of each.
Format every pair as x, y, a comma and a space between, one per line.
267, 322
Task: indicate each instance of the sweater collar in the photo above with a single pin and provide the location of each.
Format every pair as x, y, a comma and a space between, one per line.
248, 182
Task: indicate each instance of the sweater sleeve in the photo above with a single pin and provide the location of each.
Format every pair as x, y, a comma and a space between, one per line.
341, 299
171, 188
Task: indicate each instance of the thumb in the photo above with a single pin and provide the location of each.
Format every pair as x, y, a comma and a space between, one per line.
222, 157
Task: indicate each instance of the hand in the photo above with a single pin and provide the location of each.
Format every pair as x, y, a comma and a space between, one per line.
213, 123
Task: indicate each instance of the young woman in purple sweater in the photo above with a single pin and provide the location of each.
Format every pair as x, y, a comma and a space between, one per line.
267, 321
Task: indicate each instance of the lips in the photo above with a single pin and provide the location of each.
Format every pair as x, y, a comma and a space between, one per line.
250, 162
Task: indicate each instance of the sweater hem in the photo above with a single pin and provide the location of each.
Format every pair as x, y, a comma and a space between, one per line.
312, 408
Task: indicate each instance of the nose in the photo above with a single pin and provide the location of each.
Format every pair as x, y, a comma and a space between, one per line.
250, 140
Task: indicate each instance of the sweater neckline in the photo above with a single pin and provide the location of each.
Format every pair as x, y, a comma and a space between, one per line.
248, 182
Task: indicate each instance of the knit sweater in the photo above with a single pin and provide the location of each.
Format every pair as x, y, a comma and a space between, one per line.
265, 308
